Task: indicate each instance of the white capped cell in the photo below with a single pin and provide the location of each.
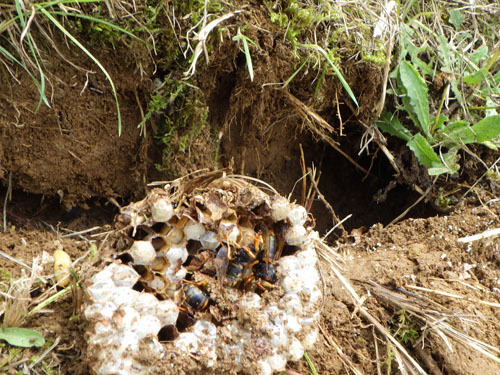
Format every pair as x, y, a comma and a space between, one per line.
123, 296
295, 235
277, 362
209, 240
168, 311
291, 284
264, 368
176, 253
297, 215
250, 300
205, 330
187, 342
102, 290
143, 252
280, 207
295, 350
162, 210
292, 324
310, 338
289, 264
147, 325
292, 302
146, 303
124, 275
194, 230
100, 311
307, 258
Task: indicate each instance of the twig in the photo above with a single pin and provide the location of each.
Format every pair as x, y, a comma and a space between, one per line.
7, 197
336, 226
480, 236
72, 234
7, 256
309, 115
335, 219
343, 357
304, 182
451, 295
44, 354
377, 356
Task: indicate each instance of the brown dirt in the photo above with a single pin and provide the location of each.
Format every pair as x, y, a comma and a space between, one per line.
73, 148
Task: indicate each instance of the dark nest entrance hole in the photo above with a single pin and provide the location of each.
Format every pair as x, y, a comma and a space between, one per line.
275, 158
350, 191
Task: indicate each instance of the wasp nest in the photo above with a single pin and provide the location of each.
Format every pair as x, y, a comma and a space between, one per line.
222, 274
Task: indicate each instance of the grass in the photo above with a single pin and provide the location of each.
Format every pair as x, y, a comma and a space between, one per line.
446, 83
23, 28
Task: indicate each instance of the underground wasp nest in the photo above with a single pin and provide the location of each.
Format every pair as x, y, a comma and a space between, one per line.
212, 275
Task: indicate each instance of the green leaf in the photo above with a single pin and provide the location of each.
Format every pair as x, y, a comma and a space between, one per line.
479, 54
22, 337
456, 18
483, 131
459, 132
476, 77
416, 91
424, 152
447, 55
487, 129
391, 124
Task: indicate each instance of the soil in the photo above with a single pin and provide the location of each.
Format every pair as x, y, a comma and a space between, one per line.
68, 170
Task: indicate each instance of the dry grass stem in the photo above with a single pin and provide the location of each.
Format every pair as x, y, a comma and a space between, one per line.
8, 196
436, 320
202, 37
452, 295
335, 219
486, 234
345, 359
17, 301
311, 119
406, 362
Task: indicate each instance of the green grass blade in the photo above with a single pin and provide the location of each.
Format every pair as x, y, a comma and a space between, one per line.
11, 57
104, 22
416, 91
79, 45
244, 39
336, 70
311, 365
248, 58
287, 82
41, 88
46, 4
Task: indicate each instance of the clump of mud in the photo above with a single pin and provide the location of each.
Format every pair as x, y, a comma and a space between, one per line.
222, 273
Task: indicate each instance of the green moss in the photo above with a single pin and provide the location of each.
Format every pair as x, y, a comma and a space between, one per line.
180, 113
